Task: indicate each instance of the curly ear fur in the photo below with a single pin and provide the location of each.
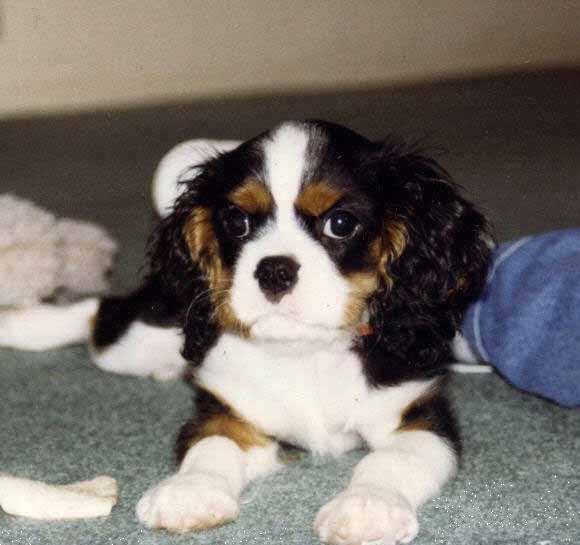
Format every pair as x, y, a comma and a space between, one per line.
435, 255
180, 277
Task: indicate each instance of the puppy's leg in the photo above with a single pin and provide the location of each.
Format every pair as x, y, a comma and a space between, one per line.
133, 335
222, 454
136, 334
405, 469
46, 327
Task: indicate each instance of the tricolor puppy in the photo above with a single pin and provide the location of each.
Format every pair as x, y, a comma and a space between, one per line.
313, 280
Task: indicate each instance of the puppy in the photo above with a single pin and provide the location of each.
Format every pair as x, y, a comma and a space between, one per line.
313, 280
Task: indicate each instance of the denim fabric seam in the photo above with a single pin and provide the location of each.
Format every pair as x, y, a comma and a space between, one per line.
477, 311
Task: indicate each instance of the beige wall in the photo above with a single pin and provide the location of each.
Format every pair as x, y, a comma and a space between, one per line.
71, 54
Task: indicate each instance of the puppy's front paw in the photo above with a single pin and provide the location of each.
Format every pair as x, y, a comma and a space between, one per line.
184, 503
363, 514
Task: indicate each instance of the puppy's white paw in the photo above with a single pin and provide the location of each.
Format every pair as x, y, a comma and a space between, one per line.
360, 515
184, 503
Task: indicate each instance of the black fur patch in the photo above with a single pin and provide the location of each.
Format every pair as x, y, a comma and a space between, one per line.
336, 155
435, 414
207, 406
441, 271
148, 304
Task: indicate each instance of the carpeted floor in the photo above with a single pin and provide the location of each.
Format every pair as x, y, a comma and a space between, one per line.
512, 141
64, 420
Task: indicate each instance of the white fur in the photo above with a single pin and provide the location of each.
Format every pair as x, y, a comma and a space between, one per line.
462, 351
288, 390
361, 515
383, 407
386, 489
285, 157
313, 394
44, 327
144, 350
261, 461
180, 164
205, 492
295, 316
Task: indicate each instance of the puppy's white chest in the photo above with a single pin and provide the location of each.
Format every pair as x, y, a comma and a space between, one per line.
305, 394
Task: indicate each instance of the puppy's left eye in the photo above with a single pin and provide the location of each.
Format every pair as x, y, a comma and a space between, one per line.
236, 222
340, 224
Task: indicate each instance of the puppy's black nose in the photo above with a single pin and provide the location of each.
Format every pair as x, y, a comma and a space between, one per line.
276, 275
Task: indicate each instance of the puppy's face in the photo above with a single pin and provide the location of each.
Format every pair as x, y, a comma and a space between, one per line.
310, 231
290, 233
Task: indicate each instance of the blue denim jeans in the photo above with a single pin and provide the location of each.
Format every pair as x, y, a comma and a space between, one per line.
527, 322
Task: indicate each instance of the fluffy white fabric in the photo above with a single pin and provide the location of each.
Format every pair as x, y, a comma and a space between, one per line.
40, 253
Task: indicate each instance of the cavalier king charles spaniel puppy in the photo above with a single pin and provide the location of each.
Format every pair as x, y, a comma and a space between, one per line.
312, 280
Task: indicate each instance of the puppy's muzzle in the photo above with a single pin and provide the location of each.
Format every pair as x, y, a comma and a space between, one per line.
277, 276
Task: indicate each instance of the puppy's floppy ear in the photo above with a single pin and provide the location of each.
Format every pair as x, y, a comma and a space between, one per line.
435, 252
169, 256
173, 267
182, 164
439, 242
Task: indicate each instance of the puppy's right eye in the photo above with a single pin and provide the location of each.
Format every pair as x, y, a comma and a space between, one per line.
236, 223
340, 224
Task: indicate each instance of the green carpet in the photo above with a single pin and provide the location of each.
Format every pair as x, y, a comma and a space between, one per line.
65, 420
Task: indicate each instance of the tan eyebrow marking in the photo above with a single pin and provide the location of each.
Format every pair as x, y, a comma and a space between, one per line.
317, 198
253, 197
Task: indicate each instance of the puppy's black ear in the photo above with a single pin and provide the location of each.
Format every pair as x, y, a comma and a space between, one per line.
176, 269
444, 261
436, 248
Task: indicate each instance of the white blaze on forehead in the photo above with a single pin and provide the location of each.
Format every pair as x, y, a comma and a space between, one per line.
314, 308
285, 163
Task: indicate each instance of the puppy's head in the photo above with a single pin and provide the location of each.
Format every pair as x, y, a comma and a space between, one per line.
307, 231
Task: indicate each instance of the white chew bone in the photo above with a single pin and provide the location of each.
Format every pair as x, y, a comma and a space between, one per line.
38, 500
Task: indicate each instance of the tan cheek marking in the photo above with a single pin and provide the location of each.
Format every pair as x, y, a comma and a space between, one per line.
395, 239
204, 250
253, 197
317, 198
383, 250
362, 285
228, 320
388, 248
200, 237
